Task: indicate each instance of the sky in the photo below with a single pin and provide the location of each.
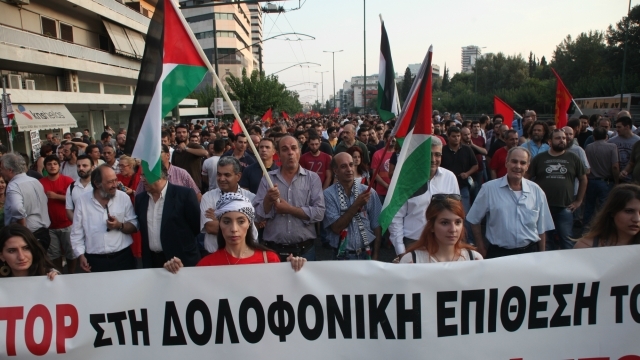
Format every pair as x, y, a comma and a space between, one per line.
509, 26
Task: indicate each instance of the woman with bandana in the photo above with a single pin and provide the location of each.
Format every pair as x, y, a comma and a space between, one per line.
235, 243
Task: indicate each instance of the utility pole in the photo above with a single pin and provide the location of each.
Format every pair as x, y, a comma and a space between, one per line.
624, 56
333, 53
322, 75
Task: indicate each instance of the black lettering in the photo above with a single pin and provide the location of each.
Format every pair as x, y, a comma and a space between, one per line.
117, 318
139, 326
378, 315
536, 306
315, 332
412, 315
197, 305
619, 292
469, 296
335, 316
493, 310
445, 313
96, 320
171, 318
224, 315
359, 316
634, 303
252, 337
586, 302
280, 329
514, 292
559, 291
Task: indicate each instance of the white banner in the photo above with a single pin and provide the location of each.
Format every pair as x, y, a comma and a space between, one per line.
576, 304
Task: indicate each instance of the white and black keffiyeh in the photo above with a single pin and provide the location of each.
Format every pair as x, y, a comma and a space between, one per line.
234, 202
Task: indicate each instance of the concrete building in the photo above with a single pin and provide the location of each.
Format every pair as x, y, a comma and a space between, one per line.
357, 85
70, 64
414, 68
233, 34
256, 35
469, 55
347, 97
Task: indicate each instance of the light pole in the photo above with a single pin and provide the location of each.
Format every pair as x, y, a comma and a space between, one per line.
322, 75
624, 56
475, 70
333, 54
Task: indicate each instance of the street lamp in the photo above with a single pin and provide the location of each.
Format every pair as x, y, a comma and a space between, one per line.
475, 70
322, 75
298, 64
333, 54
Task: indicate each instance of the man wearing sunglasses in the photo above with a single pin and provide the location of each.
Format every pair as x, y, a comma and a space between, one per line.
410, 220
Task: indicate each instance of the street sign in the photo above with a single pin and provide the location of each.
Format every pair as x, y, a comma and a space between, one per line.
220, 107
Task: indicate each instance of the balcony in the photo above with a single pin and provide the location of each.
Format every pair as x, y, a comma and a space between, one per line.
124, 11
32, 41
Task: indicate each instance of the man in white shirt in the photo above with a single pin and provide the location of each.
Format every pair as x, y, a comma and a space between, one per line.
103, 222
228, 174
82, 185
410, 220
210, 166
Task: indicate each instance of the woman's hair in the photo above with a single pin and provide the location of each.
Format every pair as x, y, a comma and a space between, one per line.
427, 238
603, 226
362, 168
40, 264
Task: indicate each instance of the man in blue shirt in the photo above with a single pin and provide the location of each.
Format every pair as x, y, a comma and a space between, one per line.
538, 138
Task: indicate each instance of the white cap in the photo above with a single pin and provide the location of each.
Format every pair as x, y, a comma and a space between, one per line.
78, 134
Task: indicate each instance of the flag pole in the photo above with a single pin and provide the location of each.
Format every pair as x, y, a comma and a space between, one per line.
223, 90
577, 107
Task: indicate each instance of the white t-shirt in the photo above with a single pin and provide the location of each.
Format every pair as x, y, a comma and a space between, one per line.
78, 190
210, 169
422, 256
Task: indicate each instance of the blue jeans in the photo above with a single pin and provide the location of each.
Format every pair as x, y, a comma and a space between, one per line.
563, 221
466, 204
310, 255
597, 192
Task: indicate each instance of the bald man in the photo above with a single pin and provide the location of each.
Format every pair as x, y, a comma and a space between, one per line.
348, 137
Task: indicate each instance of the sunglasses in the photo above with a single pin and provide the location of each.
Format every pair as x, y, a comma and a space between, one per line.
442, 197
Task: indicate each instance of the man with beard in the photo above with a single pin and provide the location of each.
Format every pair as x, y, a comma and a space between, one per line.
69, 167
121, 139
574, 147
103, 222
538, 139
188, 156
317, 161
516, 209
55, 187
555, 171
82, 185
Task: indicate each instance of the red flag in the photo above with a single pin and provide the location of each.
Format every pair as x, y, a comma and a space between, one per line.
501, 107
563, 102
336, 111
284, 114
267, 116
236, 129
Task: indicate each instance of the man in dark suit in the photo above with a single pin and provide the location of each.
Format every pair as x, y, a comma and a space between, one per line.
169, 218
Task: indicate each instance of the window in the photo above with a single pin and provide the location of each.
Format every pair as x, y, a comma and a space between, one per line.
66, 32
49, 27
89, 87
104, 43
117, 89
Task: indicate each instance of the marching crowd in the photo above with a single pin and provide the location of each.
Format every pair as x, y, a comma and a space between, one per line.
495, 189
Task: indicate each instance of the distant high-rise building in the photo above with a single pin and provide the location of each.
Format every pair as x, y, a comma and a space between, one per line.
256, 34
469, 55
414, 68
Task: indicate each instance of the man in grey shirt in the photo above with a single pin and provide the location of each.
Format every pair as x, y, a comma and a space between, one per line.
605, 172
292, 206
26, 202
624, 141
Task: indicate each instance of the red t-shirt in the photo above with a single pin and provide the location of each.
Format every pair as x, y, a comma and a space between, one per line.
384, 157
222, 257
498, 162
57, 211
317, 164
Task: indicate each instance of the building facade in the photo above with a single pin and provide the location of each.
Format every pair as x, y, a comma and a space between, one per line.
70, 64
414, 68
469, 55
256, 35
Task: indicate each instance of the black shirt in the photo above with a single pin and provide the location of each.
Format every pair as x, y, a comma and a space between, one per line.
246, 159
583, 136
495, 146
458, 162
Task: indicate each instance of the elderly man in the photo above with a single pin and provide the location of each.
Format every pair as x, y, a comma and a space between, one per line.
109, 154
292, 206
25, 201
409, 221
228, 175
516, 209
103, 222
169, 222
498, 164
176, 176
348, 136
351, 207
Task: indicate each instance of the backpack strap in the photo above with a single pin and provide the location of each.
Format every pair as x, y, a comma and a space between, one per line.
264, 256
470, 254
73, 184
413, 257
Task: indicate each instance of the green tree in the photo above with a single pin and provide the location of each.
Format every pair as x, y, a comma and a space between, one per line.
405, 85
615, 38
582, 59
258, 92
446, 81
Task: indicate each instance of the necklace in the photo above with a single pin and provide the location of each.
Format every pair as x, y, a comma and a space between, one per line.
438, 260
226, 254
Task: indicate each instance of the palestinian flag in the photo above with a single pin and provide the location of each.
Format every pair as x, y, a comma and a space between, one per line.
388, 103
412, 173
564, 102
172, 67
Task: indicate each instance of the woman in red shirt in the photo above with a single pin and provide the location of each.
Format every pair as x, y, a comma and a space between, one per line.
236, 246
128, 180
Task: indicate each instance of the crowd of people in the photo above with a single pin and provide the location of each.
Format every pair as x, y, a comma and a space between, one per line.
495, 189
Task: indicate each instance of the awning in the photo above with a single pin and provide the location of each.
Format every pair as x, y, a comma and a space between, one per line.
119, 38
43, 117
